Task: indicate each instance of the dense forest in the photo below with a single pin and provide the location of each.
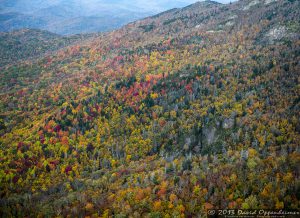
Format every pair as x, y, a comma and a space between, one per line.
191, 109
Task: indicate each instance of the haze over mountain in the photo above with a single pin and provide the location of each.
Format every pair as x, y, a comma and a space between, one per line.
78, 16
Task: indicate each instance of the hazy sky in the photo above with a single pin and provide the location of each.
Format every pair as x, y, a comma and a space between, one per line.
98, 5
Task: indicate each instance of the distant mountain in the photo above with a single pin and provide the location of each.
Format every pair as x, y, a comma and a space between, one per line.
77, 16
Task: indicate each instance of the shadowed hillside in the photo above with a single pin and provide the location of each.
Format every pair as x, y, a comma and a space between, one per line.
26, 43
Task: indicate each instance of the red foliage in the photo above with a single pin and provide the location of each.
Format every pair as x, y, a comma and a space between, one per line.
122, 172
57, 128
15, 179
68, 169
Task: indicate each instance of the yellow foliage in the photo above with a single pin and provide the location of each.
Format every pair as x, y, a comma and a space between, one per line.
173, 198
261, 141
157, 205
65, 104
238, 108
233, 177
204, 191
106, 214
181, 208
68, 187
89, 206
266, 190
164, 185
196, 190
252, 152
128, 158
279, 205
173, 114
111, 197
288, 177
154, 95
113, 163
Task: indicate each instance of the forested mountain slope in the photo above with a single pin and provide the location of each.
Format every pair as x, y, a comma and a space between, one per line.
192, 109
